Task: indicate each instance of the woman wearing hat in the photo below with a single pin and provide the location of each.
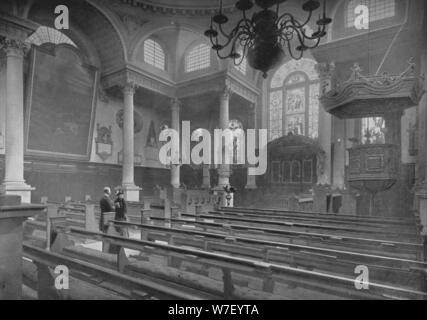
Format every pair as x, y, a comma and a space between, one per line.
120, 206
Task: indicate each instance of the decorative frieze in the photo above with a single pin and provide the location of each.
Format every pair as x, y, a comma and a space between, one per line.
160, 7
137, 78
221, 83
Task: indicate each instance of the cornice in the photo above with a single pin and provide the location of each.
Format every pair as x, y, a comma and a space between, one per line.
190, 88
188, 10
16, 28
130, 74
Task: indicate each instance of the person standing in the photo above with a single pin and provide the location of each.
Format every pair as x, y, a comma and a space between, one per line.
106, 205
120, 206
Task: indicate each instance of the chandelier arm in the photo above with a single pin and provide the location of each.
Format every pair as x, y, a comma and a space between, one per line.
292, 53
243, 37
302, 39
303, 32
315, 45
228, 40
234, 31
232, 48
295, 21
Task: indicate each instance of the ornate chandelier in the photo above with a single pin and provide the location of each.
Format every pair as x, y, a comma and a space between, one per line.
264, 38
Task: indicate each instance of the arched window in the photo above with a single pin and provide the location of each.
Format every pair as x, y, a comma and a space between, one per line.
378, 10
198, 58
154, 54
294, 100
45, 35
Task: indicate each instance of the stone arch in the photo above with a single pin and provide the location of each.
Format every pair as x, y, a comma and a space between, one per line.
92, 21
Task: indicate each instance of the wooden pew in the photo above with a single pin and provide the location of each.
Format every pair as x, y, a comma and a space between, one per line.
366, 245
339, 229
91, 273
383, 269
411, 227
273, 278
278, 212
79, 215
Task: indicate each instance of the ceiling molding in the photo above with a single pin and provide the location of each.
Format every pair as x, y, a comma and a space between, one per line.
192, 9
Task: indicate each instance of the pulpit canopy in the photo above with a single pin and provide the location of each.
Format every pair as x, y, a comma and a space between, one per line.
374, 96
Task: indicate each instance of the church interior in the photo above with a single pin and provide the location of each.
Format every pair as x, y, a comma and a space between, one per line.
337, 102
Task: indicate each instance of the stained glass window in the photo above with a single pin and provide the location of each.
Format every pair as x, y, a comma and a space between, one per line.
198, 58
378, 10
49, 35
276, 114
154, 54
294, 100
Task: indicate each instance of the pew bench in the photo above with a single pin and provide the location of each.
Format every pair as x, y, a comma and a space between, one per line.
383, 269
272, 278
404, 250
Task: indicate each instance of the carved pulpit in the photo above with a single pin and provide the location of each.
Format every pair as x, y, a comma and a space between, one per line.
375, 167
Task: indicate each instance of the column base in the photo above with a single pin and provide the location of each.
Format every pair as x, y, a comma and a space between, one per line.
131, 192
175, 186
17, 189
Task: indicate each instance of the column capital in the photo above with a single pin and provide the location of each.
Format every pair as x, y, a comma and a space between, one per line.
176, 103
129, 88
12, 47
226, 92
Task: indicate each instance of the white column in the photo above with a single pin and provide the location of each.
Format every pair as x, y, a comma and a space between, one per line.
131, 191
175, 169
327, 76
251, 179
224, 121
339, 154
14, 183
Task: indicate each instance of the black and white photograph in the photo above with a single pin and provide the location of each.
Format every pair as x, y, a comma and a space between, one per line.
236, 152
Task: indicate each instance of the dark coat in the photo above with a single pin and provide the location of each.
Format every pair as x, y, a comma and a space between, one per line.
121, 209
106, 205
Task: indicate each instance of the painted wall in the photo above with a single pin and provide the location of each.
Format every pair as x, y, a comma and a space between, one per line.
106, 116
